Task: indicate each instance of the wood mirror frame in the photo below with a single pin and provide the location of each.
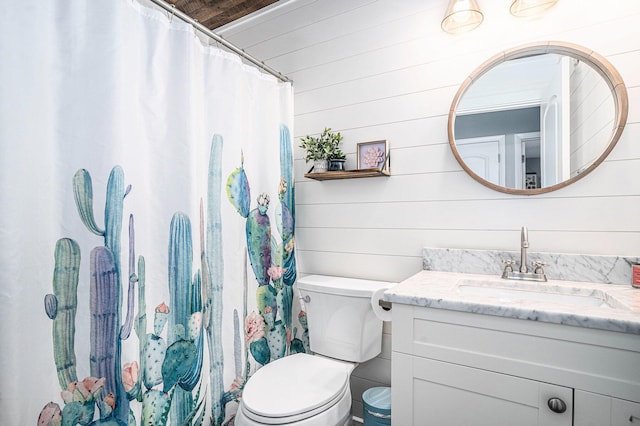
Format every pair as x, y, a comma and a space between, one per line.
595, 60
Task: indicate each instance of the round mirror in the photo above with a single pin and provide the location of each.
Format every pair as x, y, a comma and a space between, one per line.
536, 118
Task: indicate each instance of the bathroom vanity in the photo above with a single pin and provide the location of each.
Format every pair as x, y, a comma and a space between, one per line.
481, 350
478, 350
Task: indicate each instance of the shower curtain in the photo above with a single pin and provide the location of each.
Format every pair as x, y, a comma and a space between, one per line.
147, 250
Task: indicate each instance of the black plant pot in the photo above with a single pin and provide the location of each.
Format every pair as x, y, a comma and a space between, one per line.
336, 165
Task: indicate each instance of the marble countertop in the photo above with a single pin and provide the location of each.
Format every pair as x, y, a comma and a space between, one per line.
620, 310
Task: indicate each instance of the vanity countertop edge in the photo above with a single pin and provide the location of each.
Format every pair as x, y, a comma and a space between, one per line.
439, 290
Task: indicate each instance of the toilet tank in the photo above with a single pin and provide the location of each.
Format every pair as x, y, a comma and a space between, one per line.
340, 318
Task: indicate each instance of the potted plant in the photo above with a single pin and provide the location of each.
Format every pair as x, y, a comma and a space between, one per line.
323, 149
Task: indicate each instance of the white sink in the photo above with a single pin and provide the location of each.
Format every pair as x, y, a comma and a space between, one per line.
517, 292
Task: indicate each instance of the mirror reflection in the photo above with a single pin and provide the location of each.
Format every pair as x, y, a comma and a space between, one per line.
533, 120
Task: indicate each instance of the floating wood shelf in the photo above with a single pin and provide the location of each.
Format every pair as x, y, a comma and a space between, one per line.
348, 174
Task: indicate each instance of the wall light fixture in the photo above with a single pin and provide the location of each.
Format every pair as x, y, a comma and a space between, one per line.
527, 8
461, 16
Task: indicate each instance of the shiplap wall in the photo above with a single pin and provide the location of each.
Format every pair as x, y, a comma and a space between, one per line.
384, 70
591, 116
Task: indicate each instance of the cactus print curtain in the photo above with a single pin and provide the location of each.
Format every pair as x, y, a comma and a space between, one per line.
147, 255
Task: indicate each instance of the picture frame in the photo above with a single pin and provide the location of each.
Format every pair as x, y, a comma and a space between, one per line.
531, 181
372, 155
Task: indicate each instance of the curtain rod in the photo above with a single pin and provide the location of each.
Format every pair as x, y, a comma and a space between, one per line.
206, 31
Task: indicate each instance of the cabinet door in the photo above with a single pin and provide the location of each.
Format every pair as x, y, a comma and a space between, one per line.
440, 393
624, 413
593, 409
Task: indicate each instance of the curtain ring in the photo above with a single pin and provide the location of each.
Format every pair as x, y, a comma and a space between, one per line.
173, 10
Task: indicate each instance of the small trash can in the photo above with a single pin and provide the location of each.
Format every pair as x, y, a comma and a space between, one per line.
377, 406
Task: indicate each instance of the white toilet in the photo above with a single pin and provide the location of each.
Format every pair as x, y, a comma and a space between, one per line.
313, 390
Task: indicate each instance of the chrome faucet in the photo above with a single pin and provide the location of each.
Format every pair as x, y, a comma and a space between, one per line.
524, 245
524, 274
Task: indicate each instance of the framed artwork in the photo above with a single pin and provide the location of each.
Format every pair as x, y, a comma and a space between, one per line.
372, 155
531, 181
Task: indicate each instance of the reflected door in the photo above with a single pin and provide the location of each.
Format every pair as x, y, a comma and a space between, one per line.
485, 157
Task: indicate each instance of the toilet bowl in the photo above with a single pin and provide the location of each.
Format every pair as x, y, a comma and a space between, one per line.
300, 389
313, 390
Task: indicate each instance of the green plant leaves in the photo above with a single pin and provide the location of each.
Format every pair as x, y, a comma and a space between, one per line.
324, 147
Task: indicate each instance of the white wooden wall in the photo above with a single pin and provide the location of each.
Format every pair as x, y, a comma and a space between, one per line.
591, 116
383, 69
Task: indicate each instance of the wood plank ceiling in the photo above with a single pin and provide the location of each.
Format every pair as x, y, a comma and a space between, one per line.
216, 13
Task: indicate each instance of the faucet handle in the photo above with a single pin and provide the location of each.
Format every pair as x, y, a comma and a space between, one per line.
538, 267
508, 265
508, 268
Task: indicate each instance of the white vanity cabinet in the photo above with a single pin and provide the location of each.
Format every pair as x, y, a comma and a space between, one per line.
460, 368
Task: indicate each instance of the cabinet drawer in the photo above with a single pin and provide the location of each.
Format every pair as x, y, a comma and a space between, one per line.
450, 394
551, 353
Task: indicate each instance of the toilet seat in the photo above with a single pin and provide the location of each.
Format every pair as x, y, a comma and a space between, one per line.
295, 388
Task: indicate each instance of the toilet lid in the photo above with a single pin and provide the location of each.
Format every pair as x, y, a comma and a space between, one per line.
294, 385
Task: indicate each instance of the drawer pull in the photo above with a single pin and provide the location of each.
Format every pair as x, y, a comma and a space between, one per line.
633, 418
557, 405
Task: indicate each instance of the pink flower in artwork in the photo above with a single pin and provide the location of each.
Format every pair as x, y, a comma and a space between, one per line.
275, 272
237, 385
162, 308
110, 400
93, 384
130, 375
373, 156
86, 390
254, 327
67, 394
